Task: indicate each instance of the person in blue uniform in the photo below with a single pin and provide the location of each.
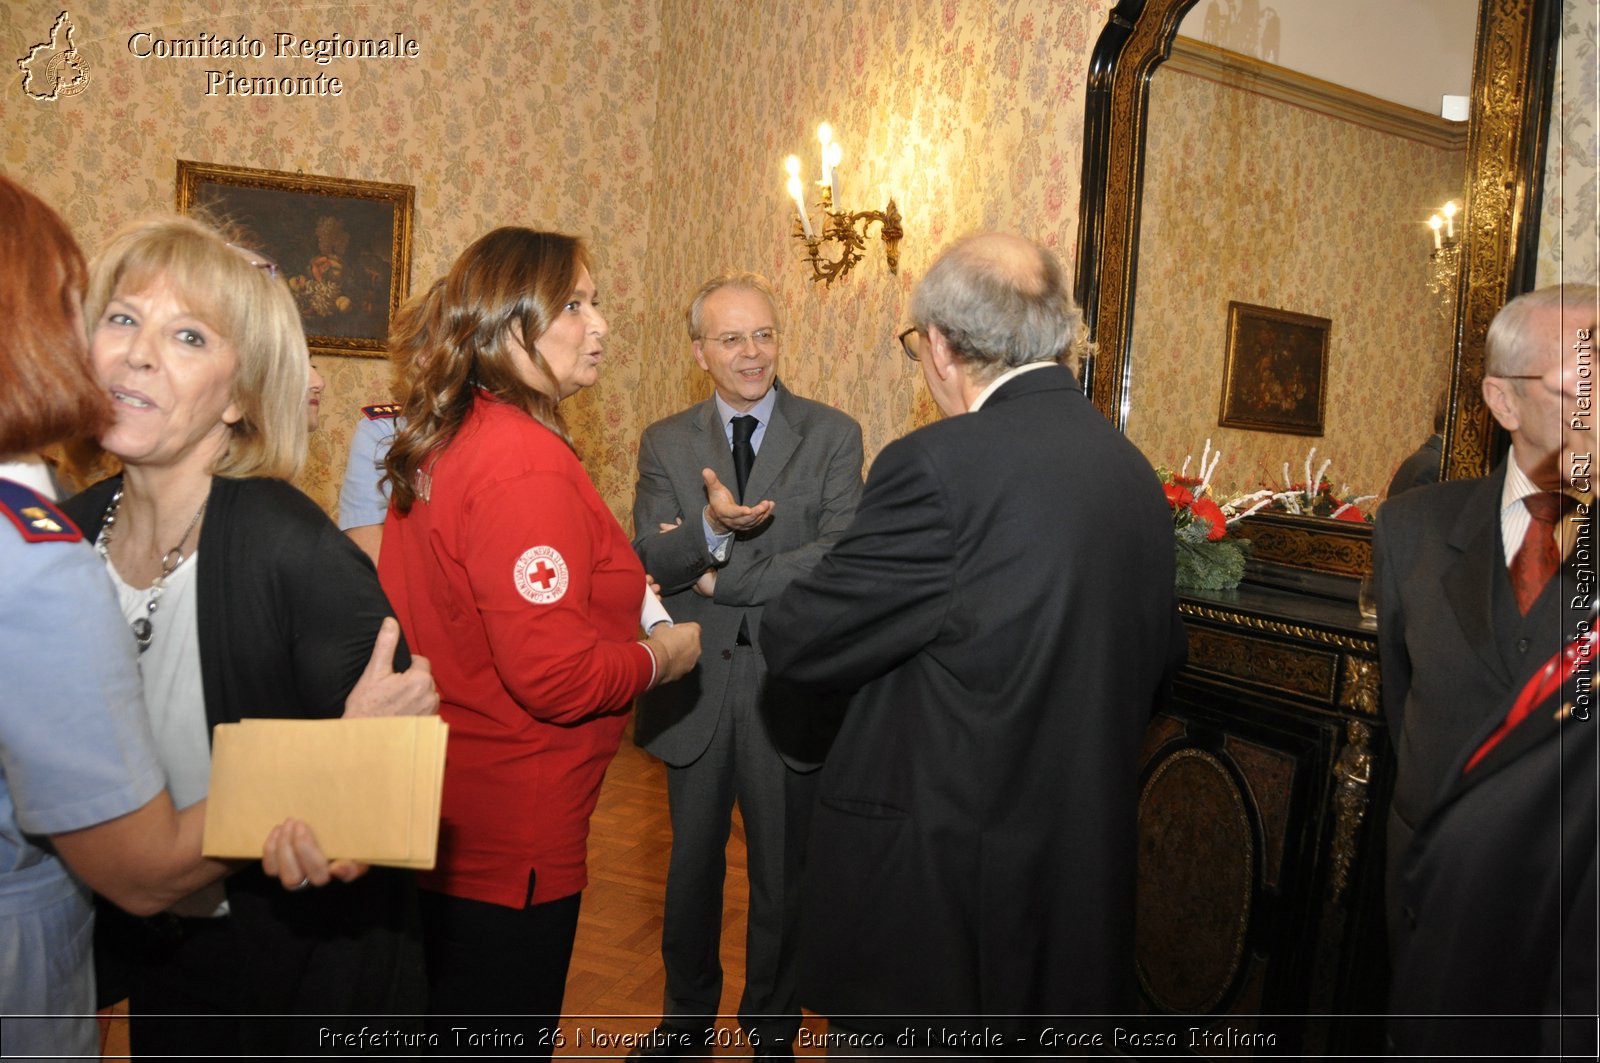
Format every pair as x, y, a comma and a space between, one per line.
363, 502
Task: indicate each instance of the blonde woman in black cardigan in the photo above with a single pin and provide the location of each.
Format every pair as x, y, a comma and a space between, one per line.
245, 600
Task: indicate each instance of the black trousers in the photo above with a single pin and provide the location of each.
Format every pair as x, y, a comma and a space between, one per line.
496, 975
185, 994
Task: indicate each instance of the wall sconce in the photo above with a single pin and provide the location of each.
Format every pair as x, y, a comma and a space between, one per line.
846, 228
1445, 260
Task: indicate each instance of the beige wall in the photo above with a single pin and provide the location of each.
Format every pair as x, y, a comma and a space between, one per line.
1568, 238
535, 114
656, 131
1252, 199
653, 128
970, 113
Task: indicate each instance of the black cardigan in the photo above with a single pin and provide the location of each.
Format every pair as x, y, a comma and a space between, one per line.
288, 609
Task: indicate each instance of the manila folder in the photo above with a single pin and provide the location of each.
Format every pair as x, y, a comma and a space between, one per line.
369, 788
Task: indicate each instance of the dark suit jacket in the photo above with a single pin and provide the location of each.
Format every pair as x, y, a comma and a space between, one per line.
1003, 608
1498, 895
1446, 669
810, 466
1420, 468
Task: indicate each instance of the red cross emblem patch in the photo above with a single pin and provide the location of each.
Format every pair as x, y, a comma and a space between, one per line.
541, 575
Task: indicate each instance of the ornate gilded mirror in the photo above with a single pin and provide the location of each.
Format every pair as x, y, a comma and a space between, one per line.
1494, 167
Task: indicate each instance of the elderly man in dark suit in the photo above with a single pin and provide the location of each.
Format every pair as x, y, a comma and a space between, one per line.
1003, 611
1469, 597
724, 730
1495, 952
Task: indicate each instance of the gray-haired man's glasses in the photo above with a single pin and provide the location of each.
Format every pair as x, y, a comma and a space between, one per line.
733, 342
911, 341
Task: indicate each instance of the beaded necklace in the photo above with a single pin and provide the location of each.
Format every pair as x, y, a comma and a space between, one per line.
143, 629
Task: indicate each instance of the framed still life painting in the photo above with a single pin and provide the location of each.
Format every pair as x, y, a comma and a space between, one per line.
344, 246
1276, 375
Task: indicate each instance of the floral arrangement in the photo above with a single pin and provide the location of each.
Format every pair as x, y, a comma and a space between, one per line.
1210, 556
1314, 496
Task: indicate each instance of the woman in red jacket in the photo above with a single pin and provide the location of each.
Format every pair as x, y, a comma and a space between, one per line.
509, 572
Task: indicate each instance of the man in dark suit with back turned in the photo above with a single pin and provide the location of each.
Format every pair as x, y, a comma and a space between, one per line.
1003, 609
724, 730
1496, 948
1470, 594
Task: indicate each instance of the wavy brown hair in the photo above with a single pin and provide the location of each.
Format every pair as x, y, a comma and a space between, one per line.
48, 392
452, 340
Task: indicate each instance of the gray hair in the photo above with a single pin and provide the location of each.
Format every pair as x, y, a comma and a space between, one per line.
1513, 344
750, 282
1002, 302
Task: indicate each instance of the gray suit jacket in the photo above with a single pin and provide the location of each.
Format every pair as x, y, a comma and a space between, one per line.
810, 466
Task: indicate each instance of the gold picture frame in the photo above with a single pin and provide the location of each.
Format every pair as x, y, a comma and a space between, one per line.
1276, 375
343, 246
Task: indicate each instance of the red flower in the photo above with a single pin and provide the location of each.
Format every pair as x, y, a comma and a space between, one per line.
1351, 513
1177, 497
1207, 510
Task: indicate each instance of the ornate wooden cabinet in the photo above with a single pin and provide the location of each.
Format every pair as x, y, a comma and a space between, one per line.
1263, 787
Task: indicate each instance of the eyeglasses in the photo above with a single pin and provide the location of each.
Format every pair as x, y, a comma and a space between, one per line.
733, 342
911, 341
258, 260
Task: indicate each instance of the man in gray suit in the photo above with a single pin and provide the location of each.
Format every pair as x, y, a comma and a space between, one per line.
723, 731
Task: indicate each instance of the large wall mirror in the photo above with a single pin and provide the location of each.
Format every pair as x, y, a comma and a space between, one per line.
1214, 176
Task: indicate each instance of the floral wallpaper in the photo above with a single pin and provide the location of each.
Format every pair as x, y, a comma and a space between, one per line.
968, 112
1254, 200
1568, 239
656, 130
534, 113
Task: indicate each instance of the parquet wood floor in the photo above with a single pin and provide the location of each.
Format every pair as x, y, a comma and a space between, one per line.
615, 983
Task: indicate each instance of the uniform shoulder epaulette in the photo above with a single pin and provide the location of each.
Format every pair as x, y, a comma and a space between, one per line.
35, 516
382, 411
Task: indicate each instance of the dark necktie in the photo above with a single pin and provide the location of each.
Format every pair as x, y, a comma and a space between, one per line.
1537, 559
744, 455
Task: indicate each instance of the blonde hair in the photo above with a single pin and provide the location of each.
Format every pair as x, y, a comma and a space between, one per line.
235, 292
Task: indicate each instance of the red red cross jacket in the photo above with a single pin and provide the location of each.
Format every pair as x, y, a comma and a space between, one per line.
518, 584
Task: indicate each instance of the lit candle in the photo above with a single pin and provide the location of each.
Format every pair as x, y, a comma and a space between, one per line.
1450, 219
799, 196
834, 155
797, 192
824, 137
1436, 223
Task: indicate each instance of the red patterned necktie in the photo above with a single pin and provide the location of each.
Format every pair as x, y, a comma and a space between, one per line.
1538, 557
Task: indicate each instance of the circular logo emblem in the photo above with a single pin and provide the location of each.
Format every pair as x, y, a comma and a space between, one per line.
68, 73
541, 575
